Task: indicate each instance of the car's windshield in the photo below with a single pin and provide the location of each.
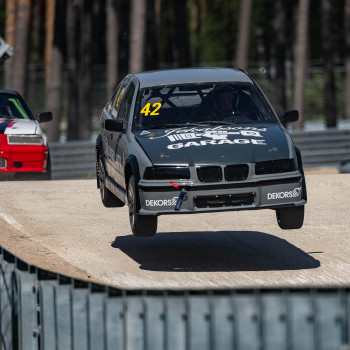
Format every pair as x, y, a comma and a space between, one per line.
197, 104
12, 106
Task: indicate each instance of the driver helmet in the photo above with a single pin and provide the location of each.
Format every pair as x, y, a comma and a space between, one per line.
226, 98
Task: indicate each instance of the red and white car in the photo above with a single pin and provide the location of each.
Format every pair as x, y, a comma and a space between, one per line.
24, 151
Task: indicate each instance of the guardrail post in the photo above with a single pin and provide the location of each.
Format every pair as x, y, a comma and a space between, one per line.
48, 338
79, 297
96, 318
28, 331
8, 302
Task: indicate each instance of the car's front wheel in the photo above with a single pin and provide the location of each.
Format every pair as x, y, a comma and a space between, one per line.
109, 200
141, 225
290, 218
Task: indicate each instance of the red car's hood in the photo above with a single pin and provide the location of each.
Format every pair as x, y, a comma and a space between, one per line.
10, 126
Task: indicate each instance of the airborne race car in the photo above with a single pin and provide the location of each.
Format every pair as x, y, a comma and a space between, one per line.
24, 152
197, 140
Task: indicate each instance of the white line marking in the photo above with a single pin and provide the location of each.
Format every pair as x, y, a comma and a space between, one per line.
10, 220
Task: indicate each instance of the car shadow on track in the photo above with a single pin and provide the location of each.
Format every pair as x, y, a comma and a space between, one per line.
214, 251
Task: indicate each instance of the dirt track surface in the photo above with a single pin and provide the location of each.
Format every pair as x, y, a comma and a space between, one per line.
63, 226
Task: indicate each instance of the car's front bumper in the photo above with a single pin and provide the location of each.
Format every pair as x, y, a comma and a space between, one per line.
22, 158
157, 199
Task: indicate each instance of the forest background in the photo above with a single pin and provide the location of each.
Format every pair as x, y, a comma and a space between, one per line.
69, 55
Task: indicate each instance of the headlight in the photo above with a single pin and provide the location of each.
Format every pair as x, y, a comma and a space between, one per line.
275, 166
166, 173
25, 140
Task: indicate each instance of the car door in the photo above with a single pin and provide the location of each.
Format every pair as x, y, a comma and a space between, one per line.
120, 137
111, 136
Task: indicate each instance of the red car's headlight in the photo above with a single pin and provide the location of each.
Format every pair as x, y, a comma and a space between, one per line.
25, 140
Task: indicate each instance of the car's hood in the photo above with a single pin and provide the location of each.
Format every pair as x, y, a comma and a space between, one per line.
17, 126
202, 145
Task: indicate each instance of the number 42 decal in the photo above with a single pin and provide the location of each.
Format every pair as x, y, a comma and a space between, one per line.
147, 109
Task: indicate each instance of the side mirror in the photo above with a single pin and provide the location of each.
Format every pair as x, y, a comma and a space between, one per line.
289, 116
114, 125
45, 117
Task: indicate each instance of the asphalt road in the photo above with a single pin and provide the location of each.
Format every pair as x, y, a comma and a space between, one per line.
63, 226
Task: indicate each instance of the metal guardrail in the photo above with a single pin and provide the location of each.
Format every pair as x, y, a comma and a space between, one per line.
73, 160
44, 310
323, 148
76, 160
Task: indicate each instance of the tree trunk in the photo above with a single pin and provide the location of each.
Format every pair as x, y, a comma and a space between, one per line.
151, 41
181, 34
20, 52
72, 65
99, 32
112, 39
328, 64
197, 13
300, 61
243, 35
124, 41
137, 33
280, 56
50, 24
55, 81
37, 31
347, 58
85, 70
166, 37
10, 36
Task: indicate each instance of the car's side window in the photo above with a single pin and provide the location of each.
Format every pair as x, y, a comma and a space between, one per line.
109, 104
126, 103
118, 95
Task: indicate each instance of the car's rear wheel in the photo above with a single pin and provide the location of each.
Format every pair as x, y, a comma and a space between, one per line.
290, 218
109, 200
141, 225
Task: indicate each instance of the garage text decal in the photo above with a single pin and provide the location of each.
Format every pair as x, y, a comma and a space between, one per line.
214, 136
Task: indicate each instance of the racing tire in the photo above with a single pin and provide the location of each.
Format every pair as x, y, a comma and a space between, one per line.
108, 199
290, 218
48, 174
141, 225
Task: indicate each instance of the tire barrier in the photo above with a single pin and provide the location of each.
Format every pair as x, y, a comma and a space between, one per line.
76, 159
44, 310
